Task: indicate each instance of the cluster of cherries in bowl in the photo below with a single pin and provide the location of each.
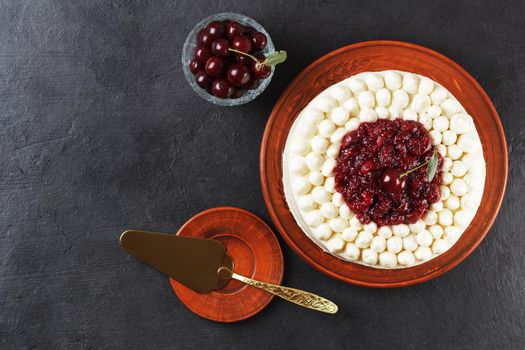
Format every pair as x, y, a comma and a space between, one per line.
228, 59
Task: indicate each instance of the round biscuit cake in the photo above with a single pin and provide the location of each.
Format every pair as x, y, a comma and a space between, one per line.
312, 149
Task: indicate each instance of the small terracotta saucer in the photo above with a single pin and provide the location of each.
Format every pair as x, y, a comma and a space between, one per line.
255, 252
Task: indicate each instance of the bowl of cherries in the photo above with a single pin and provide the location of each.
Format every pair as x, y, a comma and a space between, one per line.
229, 59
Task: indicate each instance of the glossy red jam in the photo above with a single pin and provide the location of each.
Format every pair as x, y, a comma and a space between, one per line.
369, 166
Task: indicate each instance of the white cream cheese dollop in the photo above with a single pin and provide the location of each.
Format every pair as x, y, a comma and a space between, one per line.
312, 149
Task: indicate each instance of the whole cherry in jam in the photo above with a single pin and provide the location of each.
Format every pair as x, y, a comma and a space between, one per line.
367, 167
392, 182
350, 138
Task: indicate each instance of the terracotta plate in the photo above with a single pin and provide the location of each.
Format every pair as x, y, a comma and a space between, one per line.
256, 253
379, 56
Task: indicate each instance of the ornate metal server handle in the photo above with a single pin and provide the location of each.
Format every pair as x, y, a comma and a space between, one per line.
296, 296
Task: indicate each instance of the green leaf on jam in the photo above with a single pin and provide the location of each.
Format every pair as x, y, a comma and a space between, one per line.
432, 166
274, 58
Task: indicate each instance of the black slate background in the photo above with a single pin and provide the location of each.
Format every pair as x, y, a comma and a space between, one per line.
99, 132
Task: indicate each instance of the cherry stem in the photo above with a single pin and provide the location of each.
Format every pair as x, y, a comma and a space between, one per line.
413, 169
246, 54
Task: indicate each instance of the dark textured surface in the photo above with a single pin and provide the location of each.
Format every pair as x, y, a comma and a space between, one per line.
100, 132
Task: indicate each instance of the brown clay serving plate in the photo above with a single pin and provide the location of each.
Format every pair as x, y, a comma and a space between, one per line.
255, 252
378, 56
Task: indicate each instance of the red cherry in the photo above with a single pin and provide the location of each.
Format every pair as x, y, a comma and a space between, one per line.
242, 43
349, 139
367, 198
220, 47
200, 34
234, 29
259, 41
243, 59
259, 56
391, 182
215, 29
202, 53
228, 61
367, 167
261, 71
252, 84
222, 88
203, 80
195, 66
203, 37
238, 93
249, 31
214, 66
238, 74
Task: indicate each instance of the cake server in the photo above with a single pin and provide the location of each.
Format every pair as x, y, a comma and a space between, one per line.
204, 265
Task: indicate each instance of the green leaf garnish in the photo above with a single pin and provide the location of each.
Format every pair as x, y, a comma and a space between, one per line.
274, 58
431, 168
